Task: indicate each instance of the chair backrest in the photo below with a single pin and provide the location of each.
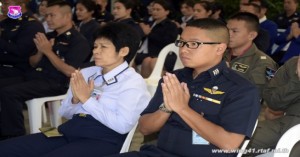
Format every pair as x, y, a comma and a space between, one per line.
287, 141
128, 140
157, 70
246, 142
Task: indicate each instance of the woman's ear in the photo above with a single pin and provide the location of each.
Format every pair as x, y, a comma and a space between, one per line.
124, 51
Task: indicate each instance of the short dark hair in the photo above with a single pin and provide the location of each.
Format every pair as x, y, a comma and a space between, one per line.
90, 5
189, 3
217, 29
128, 4
206, 5
121, 35
60, 3
166, 5
251, 20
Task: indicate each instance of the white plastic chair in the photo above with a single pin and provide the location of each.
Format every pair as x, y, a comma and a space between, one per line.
35, 107
246, 142
287, 141
153, 79
128, 140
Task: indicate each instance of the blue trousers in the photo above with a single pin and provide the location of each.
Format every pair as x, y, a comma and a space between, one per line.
83, 136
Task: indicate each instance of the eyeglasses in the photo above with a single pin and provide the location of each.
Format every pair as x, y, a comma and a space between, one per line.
192, 44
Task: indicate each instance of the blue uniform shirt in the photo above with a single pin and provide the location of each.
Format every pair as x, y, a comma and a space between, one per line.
16, 40
122, 96
71, 47
221, 96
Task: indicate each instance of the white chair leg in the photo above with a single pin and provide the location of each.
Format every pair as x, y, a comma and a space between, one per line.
55, 118
34, 115
44, 113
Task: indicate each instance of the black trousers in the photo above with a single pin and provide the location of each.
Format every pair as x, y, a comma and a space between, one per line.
9, 72
14, 92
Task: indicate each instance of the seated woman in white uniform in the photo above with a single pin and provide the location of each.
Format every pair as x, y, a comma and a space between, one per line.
103, 103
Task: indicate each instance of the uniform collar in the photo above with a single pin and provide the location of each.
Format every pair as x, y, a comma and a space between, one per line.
67, 34
211, 73
262, 19
111, 77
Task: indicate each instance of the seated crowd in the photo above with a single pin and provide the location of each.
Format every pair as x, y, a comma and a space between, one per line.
234, 69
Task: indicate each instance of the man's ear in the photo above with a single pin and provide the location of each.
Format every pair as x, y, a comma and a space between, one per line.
124, 51
253, 35
221, 48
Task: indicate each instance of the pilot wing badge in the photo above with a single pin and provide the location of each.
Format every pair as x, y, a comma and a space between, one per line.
214, 90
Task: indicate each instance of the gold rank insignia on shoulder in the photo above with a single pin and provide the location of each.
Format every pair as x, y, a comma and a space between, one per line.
31, 19
213, 91
82, 115
263, 57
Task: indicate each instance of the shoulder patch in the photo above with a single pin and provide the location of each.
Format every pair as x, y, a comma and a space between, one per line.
240, 67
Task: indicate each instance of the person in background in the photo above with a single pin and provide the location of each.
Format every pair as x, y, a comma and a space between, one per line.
288, 44
262, 40
243, 56
41, 15
159, 34
267, 24
290, 14
122, 11
16, 40
104, 16
282, 97
187, 11
86, 10
103, 103
218, 12
202, 9
202, 107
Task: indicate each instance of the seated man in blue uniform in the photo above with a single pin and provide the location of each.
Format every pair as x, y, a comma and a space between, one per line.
204, 106
58, 55
103, 103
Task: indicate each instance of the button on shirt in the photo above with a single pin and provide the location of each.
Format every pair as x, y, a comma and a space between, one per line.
221, 96
124, 96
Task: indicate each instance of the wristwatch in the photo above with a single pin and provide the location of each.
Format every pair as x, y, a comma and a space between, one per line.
163, 108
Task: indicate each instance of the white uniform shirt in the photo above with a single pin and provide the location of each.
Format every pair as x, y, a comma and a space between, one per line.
124, 96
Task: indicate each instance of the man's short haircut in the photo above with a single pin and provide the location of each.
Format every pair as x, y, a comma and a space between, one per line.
129, 4
60, 3
252, 21
216, 29
261, 3
121, 35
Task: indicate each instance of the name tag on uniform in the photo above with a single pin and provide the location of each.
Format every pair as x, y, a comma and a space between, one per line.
198, 140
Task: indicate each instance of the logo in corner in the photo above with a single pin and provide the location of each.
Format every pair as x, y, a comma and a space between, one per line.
14, 12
